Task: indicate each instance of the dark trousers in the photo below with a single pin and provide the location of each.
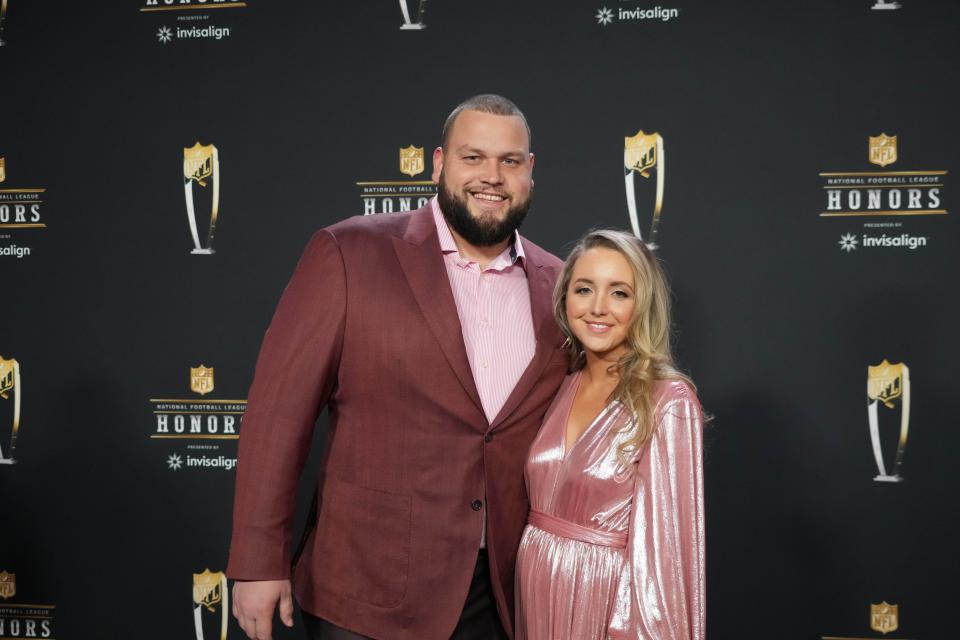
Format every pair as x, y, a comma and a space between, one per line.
478, 621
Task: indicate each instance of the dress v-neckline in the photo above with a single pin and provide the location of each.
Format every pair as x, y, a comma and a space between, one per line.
568, 449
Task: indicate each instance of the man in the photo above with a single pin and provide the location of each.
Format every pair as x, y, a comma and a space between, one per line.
429, 335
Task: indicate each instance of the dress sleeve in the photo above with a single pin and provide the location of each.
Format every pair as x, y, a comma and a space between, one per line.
666, 584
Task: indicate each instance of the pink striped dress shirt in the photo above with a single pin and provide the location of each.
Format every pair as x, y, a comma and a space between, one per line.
494, 309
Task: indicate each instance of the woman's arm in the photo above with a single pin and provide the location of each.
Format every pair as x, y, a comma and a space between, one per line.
666, 539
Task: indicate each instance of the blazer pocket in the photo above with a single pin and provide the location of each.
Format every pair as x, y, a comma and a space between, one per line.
363, 543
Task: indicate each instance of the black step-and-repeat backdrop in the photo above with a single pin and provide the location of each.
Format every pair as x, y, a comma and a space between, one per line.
163, 163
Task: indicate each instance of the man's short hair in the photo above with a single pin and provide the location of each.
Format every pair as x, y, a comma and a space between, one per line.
484, 103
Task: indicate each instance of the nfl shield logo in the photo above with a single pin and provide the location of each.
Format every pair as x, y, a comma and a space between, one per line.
883, 149
640, 152
411, 160
207, 588
201, 379
8, 377
885, 382
8, 585
198, 163
883, 617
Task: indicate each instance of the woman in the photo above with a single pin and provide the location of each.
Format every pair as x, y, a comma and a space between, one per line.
614, 547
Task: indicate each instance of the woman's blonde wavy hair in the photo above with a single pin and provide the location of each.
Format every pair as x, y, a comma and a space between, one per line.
649, 357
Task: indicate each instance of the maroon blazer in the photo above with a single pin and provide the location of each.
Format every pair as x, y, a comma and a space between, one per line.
368, 327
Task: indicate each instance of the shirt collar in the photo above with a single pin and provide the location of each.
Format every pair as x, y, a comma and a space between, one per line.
511, 255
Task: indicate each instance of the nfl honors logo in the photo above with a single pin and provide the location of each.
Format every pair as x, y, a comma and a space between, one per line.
197, 428
389, 196
8, 585
201, 379
883, 150
872, 192
20, 213
883, 617
19, 620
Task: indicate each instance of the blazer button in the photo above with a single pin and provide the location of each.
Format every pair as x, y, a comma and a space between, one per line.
476, 505
487, 437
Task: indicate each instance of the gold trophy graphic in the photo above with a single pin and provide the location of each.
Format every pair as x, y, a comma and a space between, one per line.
9, 390
886, 383
201, 165
209, 592
407, 22
643, 153
3, 18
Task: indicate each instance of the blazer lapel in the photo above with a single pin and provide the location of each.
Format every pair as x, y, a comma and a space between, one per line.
540, 279
422, 263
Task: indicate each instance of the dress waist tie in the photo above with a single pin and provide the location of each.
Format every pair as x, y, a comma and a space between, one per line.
574, 531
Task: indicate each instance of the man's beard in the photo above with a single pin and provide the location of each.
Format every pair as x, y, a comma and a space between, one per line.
485, 232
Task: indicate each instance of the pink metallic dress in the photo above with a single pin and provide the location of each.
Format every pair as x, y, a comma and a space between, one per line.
613, 552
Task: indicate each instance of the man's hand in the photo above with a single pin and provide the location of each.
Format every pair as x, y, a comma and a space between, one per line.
253, 604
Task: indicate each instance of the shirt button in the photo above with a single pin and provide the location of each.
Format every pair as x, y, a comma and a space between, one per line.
476, 505
488, 437
483, 365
